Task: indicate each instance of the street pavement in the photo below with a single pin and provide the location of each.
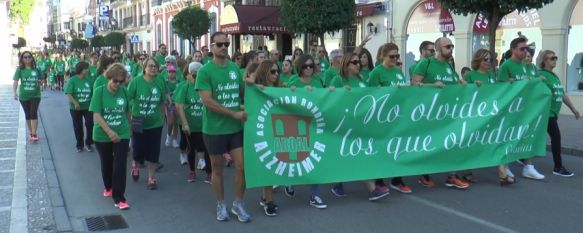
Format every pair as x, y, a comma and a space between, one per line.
75, 193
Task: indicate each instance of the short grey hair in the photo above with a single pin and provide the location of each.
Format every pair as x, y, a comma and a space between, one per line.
336, 53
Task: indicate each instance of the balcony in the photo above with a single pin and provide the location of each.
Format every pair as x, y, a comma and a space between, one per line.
144, 20
128, 22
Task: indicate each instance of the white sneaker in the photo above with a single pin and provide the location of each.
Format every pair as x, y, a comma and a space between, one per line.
167, 143
183, 159
508, 171
530, 172
201, 164
175, 143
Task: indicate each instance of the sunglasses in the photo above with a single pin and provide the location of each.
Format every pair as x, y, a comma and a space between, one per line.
431, 50
306, 66
27, 57
553, 58
397, 56
354, 62
222, 44
523, 48
115, 58
117, 81
488, 59
274, 71
449, 46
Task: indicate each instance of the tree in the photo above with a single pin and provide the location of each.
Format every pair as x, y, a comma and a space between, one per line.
191, 23
317, 16
494, 10
50, 39
79, 44
21, 43
97, 41
114, 39
20, 10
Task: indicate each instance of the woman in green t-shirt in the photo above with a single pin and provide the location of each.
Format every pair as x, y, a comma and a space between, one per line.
189, 107
110, 107
104, 63
28, 92
79, 93
305, 78
547, 62
60, 67
366, 64
286, 73
147, 95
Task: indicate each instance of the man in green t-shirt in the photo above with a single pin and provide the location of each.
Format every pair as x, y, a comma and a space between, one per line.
161, 55
514, 69
275, 56
219, 85
437, 71
205, 55
336, 63
426, 49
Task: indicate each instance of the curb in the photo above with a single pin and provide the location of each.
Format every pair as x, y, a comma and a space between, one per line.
569, 151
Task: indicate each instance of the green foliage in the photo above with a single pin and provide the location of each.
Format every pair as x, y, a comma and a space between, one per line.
79, 44
21, 43
50, 39
20, 10
191, 23
97, 41
317, 16
114, 39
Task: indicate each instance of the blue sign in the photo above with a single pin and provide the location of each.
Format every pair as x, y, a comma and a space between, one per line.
104, 12
134, 39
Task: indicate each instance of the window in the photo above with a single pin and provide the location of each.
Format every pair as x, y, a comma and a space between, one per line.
158, 34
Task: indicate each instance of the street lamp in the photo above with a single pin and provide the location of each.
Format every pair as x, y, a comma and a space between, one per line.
371, 28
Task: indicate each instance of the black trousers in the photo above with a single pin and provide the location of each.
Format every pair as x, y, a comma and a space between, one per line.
555, 133
78, 116
30, 108
60, 80
113, 167
195, 144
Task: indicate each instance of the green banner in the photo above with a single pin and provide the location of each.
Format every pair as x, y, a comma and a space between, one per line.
323, 136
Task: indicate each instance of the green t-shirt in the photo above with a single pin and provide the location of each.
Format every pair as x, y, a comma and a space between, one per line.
99, 81
554, 83
284, 79
206, 60
531, 70
113, 107
187, 95
29, 80
434, 70
330, 74
161, 60
315, 82
72, 63
42, 65
412, 69
386, 77
475, 75
92, 72
324, 65
60, 67
179, 75
145, 98
365, 74
352, 81
224, 83
515, 70
80, 90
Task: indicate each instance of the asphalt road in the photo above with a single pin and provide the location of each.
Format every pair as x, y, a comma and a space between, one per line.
552, 205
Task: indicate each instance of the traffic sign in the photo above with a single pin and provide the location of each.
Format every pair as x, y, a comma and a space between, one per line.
134, 39
104, 12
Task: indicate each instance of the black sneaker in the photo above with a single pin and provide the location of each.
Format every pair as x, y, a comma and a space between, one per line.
562, 171
270, 209
289, 191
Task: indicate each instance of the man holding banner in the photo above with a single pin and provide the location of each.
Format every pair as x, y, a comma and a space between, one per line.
437, 71
219, 85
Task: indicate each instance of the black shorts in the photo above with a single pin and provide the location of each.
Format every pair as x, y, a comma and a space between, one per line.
221, 144
146, 145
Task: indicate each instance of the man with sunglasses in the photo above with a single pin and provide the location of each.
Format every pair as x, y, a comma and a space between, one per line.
514, 69
438, 71
426, 49
219, 84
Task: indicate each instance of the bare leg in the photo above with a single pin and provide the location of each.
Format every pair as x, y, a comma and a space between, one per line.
237, 155
218, 162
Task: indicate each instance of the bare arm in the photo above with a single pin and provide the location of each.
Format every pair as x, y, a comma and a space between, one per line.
358, 49
417, 80
208, 101
99, 119
73, 101
569, 104
182, 116
15, 89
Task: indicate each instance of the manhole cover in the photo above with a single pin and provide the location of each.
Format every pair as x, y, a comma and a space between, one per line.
106, 223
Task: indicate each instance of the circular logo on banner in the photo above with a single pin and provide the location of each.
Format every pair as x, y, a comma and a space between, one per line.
287, 136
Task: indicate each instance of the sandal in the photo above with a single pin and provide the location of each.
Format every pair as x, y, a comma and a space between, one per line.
507, 180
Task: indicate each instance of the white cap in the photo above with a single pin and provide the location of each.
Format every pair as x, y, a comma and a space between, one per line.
170, 58
194, 66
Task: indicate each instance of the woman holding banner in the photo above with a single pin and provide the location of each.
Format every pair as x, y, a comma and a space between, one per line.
349, 78
547, 62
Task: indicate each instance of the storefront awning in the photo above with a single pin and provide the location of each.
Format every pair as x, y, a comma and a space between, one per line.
365, 10
250, 19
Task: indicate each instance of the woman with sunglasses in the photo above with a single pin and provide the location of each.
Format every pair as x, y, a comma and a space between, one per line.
189, 107
104, 63
79, 93
266, 75
28, 92
548, 62
147, 95
349, 78
111, 110
389, 74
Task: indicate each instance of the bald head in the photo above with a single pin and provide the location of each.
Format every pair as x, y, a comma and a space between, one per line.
444, 48
274, 55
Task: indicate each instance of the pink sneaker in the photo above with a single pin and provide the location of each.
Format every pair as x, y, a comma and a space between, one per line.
107, 192
122, 205
191, 177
